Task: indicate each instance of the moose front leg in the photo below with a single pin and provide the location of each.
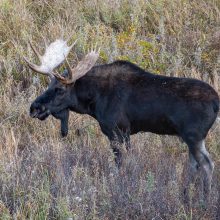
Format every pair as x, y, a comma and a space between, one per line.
63, 116
117, 142
117, 138
115, 145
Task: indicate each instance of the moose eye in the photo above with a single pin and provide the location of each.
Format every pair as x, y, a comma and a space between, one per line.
59, 91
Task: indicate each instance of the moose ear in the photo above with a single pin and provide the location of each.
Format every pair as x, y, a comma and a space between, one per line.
65, 73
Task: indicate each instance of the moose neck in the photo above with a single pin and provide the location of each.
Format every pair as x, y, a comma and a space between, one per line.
84, 95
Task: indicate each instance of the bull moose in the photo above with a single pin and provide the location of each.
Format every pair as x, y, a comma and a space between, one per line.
125, 100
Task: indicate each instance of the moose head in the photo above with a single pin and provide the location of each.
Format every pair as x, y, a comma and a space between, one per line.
57, 99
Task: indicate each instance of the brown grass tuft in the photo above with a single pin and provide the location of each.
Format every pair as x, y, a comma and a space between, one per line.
43, 176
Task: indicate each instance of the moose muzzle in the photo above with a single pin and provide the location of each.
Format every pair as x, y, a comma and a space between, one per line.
39, 111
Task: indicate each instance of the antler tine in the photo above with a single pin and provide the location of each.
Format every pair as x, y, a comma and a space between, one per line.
45, 42
68, 38
35, 50
95, 47
72, 45
58, 76
31, 65
36, 68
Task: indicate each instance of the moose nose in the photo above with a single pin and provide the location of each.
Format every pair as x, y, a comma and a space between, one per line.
36, 108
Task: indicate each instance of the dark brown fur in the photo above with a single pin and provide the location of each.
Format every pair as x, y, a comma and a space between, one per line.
125, 100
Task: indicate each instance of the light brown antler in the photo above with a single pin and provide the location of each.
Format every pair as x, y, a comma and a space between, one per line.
81, 69
54, 55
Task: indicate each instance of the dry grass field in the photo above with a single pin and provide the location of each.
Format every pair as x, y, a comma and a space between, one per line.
44, 176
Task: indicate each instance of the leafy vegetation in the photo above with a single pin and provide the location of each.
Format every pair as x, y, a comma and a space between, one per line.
43, 176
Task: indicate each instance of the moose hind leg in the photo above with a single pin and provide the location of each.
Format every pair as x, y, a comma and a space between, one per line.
190, 177
205, 163
193, 168
208, 168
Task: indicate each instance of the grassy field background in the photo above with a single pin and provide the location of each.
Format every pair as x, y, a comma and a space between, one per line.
44, 176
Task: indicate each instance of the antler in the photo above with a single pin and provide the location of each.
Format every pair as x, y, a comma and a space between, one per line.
54, 55
81, 69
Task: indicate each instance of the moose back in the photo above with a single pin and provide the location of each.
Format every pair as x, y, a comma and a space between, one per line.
126, 99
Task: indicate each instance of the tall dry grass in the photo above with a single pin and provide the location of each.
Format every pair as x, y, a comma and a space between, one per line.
43, 176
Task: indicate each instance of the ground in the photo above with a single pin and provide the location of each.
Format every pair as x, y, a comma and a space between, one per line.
44, 176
